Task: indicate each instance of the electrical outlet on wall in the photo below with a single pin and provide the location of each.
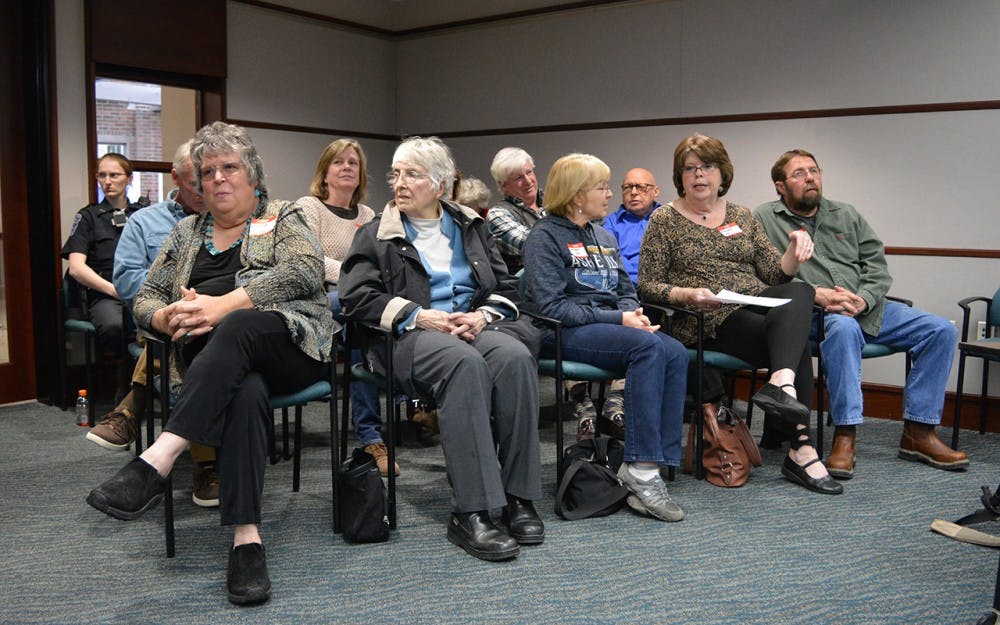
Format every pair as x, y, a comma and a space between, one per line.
980, 330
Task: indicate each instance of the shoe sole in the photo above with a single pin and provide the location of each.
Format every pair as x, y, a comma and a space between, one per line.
250, 598
916, 456
490, 556
840, 474
779, 409
795, 479
94, 438
123, 515
204, 503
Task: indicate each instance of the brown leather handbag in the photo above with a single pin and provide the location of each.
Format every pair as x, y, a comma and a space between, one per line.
728, 451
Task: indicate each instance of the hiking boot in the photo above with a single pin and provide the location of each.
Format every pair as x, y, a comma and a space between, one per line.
427, 418
205, 488
381, 454
920, 443
116, 431
586, 418
613, 415
650, 497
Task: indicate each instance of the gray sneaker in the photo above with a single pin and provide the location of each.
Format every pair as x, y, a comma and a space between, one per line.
650, 497
613, 415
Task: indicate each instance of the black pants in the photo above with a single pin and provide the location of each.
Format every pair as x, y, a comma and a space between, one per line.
223, 402
777, 338
106, 315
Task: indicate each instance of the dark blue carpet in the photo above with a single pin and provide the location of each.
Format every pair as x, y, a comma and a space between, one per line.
768, 553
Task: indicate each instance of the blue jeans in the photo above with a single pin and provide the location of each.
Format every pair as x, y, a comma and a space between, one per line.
364, 396
655, 368
930, 338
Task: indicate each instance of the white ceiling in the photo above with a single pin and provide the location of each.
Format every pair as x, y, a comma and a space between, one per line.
398, 15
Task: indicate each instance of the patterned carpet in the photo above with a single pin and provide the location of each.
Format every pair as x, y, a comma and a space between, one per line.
768, 553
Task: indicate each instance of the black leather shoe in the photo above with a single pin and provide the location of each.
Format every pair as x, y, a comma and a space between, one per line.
480, 537
136, 487
780, 404
795, 473
522, 521
247, 581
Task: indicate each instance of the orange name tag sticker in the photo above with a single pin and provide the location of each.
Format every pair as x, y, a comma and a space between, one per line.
577, 250
262, 226
730, 230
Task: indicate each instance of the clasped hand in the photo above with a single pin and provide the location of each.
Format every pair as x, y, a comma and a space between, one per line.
635, 319
840, 300
192, 315
464, 325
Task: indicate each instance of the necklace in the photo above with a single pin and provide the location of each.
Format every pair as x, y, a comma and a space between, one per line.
209, 230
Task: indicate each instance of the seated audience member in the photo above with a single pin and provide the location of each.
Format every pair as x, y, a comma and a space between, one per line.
90, 249
514, 172
700, 244
239, 289
334, 212
573, 273
138, 247
851, 278
472, 192
627, 225
426, 270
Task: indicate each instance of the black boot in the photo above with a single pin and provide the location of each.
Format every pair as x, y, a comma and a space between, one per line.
522, 521
480, 537
247, 581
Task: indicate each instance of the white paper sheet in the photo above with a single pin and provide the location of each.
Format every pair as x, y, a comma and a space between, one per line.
728, 297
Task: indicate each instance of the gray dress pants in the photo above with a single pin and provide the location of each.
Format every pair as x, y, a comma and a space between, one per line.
494, 375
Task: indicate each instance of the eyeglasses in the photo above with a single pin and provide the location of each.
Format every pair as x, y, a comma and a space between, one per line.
800, 174
227, 170
706, 169
637, 187
409, 176
604, 187
112, 176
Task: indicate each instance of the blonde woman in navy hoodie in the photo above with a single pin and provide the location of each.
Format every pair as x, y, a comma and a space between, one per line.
574, 273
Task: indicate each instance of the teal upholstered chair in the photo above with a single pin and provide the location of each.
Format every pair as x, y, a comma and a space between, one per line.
702, 359
988, 349
324, 390
870, 350
74, 322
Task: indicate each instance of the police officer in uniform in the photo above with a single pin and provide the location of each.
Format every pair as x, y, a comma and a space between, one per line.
90, 248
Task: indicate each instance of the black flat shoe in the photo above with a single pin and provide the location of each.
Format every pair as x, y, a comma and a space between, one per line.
522, 521
247, 581
780, 404
136, 487
795, 473
480, 537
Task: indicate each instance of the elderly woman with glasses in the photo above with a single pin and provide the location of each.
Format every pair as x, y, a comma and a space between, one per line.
427, 270
700, 244
574, 273
239, 289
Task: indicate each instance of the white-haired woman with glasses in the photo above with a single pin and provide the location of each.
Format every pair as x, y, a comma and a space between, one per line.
239, 289
427, 270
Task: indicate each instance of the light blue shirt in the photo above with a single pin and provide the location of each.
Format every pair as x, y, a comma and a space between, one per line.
140, 243
629, 230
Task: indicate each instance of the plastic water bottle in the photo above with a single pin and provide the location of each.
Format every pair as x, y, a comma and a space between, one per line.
82, 408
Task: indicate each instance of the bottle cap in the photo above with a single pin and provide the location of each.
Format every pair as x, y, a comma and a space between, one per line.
82, 392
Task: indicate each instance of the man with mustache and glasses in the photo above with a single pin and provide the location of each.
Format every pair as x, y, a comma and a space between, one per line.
849, 270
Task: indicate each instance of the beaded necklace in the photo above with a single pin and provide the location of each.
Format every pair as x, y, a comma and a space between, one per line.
209, 233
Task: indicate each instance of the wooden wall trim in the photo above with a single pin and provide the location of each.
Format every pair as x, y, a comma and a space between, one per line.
895, 109
313, 130
942, 252
319, 17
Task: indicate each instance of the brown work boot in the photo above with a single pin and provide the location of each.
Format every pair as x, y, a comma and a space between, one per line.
118, 428
840, 463
381, 454
920, 443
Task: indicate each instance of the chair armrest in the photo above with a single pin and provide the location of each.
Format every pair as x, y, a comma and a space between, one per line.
901, 300
966, 306
670, 310
549, 321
